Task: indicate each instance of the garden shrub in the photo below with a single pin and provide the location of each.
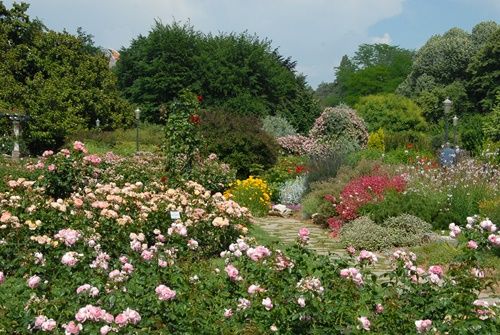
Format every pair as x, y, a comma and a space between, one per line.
407, 230
363, 233
364, 190
338, 125
313, 201
286, 168
323, 168
278, 126
66, 171
291, 191
238, 141
253, 193
376, 140
214, 175
397, 140
490, 209
391, 112
425, 205
338, 130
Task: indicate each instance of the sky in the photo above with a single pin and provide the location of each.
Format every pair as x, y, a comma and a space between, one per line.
315, 33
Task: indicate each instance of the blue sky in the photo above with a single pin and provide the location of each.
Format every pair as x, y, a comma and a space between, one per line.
315, 33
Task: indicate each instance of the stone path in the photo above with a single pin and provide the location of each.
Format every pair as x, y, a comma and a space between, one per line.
286, 229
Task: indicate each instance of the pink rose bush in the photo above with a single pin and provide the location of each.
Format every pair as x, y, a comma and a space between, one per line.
99, 261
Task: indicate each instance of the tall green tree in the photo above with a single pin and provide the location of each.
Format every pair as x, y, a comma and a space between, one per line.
484, 72
374, 68
460, 65
237, 72
60, 80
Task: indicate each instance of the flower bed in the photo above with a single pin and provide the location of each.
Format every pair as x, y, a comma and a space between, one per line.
110, 259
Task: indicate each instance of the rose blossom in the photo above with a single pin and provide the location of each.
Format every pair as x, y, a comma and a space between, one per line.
2, 277
301, 301
303, 235
472, 245
379, 308
494, 239
243, 304
454, 230
351, 250
34, 281
192, 244
72, 328
267, 303
70, 258
105, 330
423, 325
488, 225
164, 293
258, 253
232, 272
365, 323
368, 256
252, 289
228, 313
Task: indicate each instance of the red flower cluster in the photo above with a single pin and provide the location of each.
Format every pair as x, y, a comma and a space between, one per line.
194, 119
299, 169
359, 192
364, 190
334, 224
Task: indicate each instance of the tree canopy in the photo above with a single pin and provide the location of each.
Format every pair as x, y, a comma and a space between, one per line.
60, 80
374, 68
237, 72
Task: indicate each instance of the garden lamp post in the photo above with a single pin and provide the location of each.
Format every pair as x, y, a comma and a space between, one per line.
137, 120
455, 124
447, 107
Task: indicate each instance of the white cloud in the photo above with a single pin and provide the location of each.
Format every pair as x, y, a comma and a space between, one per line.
385, 39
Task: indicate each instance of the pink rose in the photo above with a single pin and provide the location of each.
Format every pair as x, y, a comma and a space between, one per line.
252, 289
472, 245
228, 313
302, 302
39, 320
121, 320
105, 330
49, 325
51, 167
379, 308
34, 281
232, 272
79, 146
437, 270
351, 250
423, 326
303, 235
365, 323
267, 303
72, 328
2, 278
164, 293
